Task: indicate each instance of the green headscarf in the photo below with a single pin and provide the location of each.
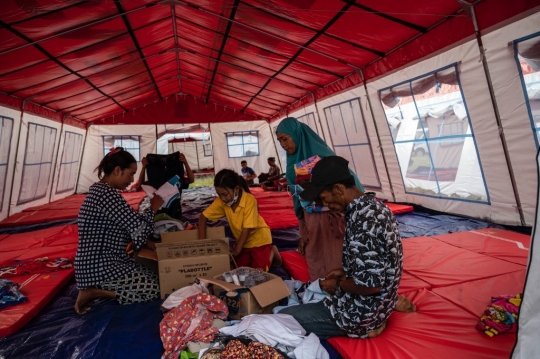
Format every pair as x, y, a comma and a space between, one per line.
308, 144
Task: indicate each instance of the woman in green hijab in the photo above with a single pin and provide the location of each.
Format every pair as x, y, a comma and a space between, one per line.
321, 233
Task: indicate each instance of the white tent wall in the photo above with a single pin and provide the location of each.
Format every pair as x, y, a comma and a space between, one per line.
476, 95
281, 154
36, 156
70, 150
529, 317
195, 154
93, 151
9, 131
374, 178
378, 173
221, 155
512, 107
181, 128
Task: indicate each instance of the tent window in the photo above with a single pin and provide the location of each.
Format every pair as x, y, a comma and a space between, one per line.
132, 144
351, 141
243, 144
6, 131
433, 138
69, 164
40, 144
207, 147
527, 55
309, 119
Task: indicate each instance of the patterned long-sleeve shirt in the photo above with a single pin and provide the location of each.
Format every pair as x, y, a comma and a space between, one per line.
107, 223
373, 257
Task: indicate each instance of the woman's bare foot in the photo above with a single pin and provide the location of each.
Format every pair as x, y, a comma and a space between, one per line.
275, 257
404, 305
87, 296
377, 332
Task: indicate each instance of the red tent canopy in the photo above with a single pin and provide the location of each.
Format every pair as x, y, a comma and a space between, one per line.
176, 61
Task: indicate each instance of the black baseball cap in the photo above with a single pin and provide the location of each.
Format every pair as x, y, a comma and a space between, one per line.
327, 171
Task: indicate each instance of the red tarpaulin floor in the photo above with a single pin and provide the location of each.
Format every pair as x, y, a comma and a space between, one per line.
451, 279
63, 209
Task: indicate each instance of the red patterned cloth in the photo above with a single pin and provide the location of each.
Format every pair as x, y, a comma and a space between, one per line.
190, 321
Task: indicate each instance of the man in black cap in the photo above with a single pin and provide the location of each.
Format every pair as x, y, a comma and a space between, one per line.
363, 293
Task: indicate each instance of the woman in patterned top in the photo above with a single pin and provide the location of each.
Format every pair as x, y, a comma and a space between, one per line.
107, 223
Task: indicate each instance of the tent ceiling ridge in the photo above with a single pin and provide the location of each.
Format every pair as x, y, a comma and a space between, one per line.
313, 38
358, 46
136, 43
250, 44
55, 60
223, 43
251, 63
303, 47
76, 28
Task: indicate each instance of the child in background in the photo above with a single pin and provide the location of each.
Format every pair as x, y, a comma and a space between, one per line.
253, 238
248, 173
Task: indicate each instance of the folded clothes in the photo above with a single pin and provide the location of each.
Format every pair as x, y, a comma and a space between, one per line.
9, 294
500, 316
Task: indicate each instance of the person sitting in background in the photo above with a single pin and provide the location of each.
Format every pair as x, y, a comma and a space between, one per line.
107, 224
248, 173
175, 208
267, 179
253, 238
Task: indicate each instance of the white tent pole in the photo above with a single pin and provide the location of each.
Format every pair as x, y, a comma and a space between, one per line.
378, 136
16, 156
197, 154
81, 159
157, 138
213, 157
275, 147
469, 9
56, 156
318, 115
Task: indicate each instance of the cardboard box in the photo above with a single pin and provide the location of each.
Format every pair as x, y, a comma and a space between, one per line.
182, 257
260, 299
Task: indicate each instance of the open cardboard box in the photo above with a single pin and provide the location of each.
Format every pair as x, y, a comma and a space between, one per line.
181, 257
260, 299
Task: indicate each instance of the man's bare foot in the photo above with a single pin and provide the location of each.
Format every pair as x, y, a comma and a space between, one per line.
87, 296
377, 332
275, 257
404, 305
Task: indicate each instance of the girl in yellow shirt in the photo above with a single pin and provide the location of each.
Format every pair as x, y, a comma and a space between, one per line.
253, 238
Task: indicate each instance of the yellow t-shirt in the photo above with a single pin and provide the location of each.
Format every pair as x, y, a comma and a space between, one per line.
245, 216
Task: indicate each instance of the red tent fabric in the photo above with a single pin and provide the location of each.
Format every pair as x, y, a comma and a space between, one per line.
176, 61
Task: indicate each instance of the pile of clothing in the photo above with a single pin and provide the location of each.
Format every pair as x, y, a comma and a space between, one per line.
195, 326
500, 316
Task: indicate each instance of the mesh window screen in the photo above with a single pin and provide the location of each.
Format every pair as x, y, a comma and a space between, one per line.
6, 132
242, 144
351, 141
433, 138
527, 55
130, 143
69, 164
309, 119
37, 166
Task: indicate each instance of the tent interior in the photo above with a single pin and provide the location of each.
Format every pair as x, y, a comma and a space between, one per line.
435, 104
